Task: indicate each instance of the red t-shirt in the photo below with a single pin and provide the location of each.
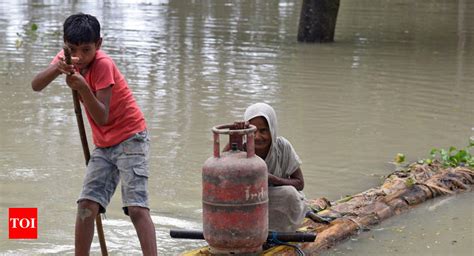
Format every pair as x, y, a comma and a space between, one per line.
125, 117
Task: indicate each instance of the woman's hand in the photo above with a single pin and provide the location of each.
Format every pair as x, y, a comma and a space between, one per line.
273, 180
240, 125
296, 180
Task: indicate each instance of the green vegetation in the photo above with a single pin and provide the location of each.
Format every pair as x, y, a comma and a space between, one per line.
30, 32
409, 182
399, 158
451, 157
34, 27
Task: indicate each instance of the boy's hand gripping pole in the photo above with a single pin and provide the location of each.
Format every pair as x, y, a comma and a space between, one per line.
85, 149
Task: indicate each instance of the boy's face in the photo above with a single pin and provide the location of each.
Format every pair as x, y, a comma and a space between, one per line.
84, 52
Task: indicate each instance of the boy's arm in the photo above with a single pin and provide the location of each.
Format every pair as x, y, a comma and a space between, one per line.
97, 104
42, 79
45, 77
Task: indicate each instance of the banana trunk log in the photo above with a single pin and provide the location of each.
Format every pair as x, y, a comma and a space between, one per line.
400, 191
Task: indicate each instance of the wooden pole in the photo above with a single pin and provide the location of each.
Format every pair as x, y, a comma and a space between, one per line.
85, 149
318, 21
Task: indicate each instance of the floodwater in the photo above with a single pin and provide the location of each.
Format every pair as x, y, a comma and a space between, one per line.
398, 79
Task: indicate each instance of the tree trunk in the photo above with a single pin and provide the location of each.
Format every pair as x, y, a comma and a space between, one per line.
318, 21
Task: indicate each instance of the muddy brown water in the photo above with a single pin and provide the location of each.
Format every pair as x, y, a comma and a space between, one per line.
399, 78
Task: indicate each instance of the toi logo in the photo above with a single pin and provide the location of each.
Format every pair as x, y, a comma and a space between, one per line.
23, 223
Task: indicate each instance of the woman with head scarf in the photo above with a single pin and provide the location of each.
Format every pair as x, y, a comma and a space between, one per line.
286, 207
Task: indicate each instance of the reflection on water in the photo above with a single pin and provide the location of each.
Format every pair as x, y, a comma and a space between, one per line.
397, 79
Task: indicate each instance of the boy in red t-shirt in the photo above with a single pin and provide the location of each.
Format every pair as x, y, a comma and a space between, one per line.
118, 129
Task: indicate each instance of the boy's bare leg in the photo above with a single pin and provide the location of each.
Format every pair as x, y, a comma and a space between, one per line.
86, 212
145, 228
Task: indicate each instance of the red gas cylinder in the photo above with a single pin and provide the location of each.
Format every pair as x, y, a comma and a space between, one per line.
235, 195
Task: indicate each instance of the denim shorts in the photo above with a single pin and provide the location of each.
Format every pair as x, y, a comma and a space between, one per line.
126, 162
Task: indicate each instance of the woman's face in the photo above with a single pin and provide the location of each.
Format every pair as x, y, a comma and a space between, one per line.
263, 137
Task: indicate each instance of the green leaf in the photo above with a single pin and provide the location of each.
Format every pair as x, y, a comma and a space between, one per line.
461, 155
434, 151
451, 149
399, 158
34, 27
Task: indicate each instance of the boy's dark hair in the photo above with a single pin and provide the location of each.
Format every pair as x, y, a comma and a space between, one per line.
81, 28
